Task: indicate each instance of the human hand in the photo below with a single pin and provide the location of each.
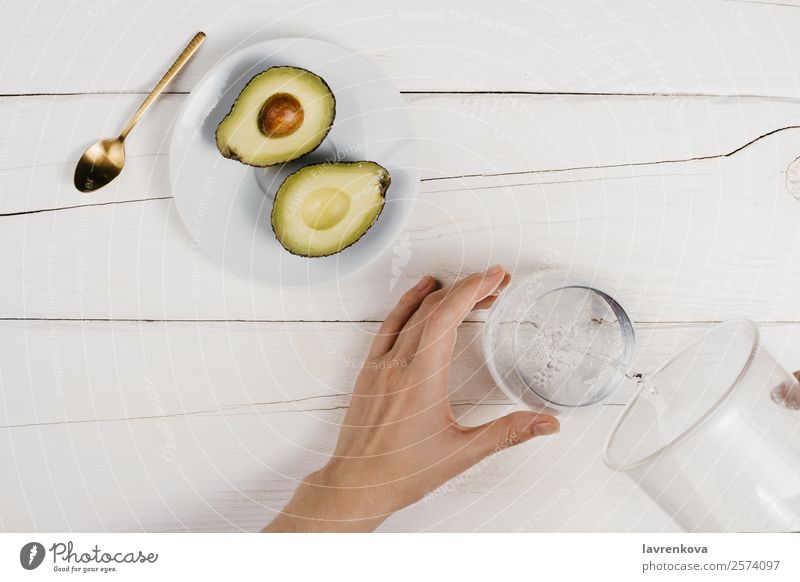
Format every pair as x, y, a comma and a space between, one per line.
399, 439
788, 394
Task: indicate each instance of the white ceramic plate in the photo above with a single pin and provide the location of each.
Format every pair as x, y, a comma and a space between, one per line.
226, 205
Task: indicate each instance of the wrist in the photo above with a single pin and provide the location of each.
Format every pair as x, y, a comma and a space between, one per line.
323, 502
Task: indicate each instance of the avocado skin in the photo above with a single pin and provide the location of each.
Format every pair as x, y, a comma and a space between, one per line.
232, 155
385, 182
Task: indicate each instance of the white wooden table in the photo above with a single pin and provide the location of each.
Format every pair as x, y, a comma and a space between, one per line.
143, 388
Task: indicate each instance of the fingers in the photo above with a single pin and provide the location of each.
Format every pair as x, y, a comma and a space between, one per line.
506, 431
399, 316
788, 393
439, 331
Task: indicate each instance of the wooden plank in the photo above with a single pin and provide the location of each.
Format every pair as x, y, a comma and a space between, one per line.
704, 240
207, 425
232, 472
59, 372
114, 426
459, 134
622, 46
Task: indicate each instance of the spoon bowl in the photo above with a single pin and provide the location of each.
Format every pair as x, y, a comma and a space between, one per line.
100, 164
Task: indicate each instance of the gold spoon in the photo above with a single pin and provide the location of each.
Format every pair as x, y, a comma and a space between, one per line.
103, 162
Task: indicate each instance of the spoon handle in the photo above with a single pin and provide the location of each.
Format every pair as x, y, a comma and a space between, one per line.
182, 59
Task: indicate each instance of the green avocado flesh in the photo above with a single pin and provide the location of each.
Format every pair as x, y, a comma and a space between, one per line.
324, 208
280, 115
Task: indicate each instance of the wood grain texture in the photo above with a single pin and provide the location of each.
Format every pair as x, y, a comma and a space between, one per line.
696, 241
115, 426
232, 472
78, 372
717, 47
144, 388
459, 135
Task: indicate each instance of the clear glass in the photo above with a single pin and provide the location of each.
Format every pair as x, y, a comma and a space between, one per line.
552, 342
713, 436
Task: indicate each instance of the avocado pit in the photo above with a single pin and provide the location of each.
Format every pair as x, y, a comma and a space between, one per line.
281, 115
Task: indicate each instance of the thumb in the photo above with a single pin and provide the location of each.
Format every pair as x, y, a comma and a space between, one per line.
507, 431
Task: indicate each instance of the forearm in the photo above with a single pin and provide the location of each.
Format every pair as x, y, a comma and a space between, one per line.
320, 506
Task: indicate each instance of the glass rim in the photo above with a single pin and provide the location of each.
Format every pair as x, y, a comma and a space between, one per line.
704, 418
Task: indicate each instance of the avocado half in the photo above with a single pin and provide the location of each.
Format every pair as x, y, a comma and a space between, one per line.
281, 114
322, 209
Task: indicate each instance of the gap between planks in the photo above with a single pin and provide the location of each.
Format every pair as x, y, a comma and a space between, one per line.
457, 92
254, 410
775, 322
479, 175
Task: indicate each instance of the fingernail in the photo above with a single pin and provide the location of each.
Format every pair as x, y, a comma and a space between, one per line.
494, 270
423, 283
502, 286
545, 428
